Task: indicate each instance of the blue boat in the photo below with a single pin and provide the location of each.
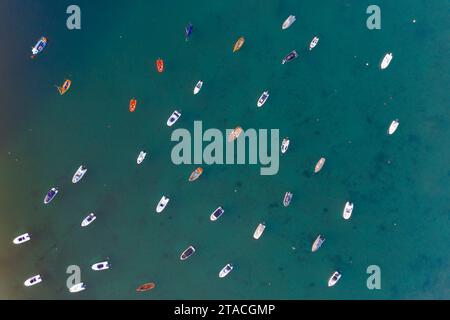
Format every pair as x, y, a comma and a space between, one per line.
39, 46
188, 30
50, 195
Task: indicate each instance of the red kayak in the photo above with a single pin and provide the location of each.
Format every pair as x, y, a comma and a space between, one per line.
146, 287
160, 65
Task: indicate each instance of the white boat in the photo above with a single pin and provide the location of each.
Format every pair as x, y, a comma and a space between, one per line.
334, 278
141, 157
50, 195
285, 145
79, 174
288, 22
100, 266
313, 43
162, 204
263, 99
287, 198
225, 270
198, 87
318, 243
173, 118
22, 238
393, 126
77, 287
187, 253
386, 60
259, 231
88, 220
319, 165
216, 214
348, 209
32, 281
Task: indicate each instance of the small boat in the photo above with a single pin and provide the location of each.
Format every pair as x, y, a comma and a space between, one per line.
50, 195
133, 103
188, 31
162, 204
88, 220
318, 243
259, 230
141, 157
32, 281
145, 287
287, 198
288, 22
22, 238
348, 209
235, 134
313, 43
79, 174
160, 65
239, 43
77, 288
290, 56
100, 266
386, 60
39, 47
195, 174
263, 99
334, 278
187, 253
217, 214
285, 145
173, 118
319, 165
63, 89
198, 86
225, 270
393, 126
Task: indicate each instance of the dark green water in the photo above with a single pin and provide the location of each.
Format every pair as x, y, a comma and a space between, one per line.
329, 103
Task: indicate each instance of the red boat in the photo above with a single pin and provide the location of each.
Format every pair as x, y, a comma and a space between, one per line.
160, 65
146, 287
133, 104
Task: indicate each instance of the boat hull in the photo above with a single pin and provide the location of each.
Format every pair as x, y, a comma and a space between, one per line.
88, 220
195, 174
259, 231
145, 287
239, 43
162, 204
187, 253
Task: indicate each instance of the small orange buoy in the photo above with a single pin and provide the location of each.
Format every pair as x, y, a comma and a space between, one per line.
133, 103
145, 287
160, 65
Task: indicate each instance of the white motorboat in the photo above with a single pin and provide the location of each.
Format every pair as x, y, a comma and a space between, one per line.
318, 243
22, 238
285, 145
198, 87
225, 270
100, 266
187, 253
259, 231
334, 278
216, 214
173, 118
79, 174
287, 198
319, 165
50, 195
263, 99
386, 60
393, 127
77, 287
348, 209
313, 43
88, 220
32, 281
141, 157
288, 22
162, 204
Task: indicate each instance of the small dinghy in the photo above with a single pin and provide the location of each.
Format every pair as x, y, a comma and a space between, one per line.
334, 278
393, 127
225, 270
263, 99
22, 238
313, 43
32, 281
162, 204
348, 209
50, 195
259, 231
288, 22
285, 145
318, 243
195, 174
141, 157
290, 56
198, 86
160, 65
216, 214
319, 165
188, 31
235, 134
63, 89
77, 288
239, 43
100, 266
132, 106
287, 198
145, 287
173, 118
79, 174
386, 60
187, 253
88, 220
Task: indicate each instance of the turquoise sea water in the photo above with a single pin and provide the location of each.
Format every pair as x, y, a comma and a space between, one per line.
328, 102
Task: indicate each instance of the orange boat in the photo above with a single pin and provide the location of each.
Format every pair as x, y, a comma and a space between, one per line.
145, 287
195, 174
63, 89
133, 104
238, 44
234, 134
160, 65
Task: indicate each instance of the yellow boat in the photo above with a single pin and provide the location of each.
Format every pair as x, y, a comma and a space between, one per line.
239, 43
63, 89
234, 134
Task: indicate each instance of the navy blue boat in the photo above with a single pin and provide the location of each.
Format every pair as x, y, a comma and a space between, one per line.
188, 30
